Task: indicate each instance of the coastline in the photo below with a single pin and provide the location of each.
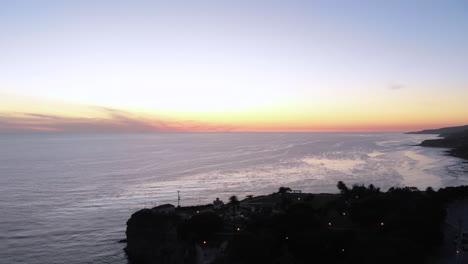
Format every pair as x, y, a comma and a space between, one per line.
357, 225
453, 138
454, 151
74, 212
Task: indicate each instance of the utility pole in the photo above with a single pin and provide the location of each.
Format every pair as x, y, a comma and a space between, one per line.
178, 198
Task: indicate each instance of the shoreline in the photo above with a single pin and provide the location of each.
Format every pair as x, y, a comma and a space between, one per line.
455, 140
452, 151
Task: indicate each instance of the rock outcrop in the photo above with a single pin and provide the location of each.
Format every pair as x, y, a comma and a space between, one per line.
152, 235
360, 225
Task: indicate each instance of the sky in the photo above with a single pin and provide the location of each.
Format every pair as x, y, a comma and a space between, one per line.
220, 66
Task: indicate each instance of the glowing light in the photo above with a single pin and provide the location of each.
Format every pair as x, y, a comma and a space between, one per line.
329, 224
382, 224
204, 242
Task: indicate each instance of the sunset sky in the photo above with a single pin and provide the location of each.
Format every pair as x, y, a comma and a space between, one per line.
149, 66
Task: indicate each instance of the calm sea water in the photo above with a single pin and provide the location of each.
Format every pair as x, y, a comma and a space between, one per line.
65, 198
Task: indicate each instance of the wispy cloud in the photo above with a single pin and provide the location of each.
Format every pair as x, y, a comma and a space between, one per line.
396, 86
114, 120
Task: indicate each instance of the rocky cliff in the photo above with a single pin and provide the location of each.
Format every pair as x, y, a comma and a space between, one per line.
152, 236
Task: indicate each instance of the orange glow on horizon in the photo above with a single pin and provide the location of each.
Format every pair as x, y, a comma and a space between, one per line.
237, 67
32, 114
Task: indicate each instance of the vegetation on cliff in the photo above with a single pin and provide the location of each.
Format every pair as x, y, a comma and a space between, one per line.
362, 224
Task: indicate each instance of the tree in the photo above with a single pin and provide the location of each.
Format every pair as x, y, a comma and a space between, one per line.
430, 190
201, 226
309, 197
284, 190
234, 203
342, 187
373, 189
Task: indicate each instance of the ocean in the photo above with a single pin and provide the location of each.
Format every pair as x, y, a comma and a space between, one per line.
65, 198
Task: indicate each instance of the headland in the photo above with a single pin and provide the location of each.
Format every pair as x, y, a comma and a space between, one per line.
360, 224
455, 138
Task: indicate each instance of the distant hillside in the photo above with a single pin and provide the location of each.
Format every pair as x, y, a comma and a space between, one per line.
455, 138
445, 131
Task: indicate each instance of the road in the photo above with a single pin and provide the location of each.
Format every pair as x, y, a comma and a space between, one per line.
457, 216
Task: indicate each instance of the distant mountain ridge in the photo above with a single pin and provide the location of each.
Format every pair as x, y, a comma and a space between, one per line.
455, 138
445, 131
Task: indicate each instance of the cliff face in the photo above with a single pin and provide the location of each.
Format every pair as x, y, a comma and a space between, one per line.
168, 235
360, 225
153, 236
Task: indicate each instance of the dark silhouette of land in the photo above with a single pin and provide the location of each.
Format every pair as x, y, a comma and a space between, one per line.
455, 138
361, 224
442, 131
